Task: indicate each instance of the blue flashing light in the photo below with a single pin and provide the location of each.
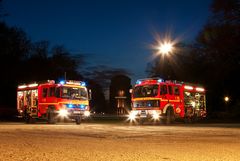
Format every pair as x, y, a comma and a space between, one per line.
83, 84
82, 106
160, 80
62, 82
138, 82
70, 105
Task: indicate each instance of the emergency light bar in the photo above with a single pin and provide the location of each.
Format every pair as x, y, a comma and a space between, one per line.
72, 82
158, 79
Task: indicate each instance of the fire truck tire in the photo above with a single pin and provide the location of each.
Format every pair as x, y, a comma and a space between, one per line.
51, 116
169, 116
78, 120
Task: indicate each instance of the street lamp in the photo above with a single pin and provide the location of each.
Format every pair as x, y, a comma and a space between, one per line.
165, 48
226, 99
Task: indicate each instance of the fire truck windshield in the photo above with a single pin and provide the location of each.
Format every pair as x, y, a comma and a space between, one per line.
145, 91
74, 93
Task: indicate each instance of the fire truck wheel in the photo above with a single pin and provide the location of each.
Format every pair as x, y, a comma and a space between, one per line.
51, 116
78, 120
169, 116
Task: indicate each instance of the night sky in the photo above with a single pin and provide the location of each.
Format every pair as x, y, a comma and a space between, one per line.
115, 33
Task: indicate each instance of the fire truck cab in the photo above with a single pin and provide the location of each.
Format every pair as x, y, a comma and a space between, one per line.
159, 100
53, 101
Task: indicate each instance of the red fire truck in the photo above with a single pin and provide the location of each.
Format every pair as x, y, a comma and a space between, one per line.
52, 101
159, 100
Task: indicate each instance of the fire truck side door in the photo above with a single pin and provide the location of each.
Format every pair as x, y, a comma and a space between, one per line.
170, 95
163, 94
43, 99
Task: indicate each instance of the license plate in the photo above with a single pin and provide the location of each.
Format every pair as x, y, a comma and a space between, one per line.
143, 114
76, 112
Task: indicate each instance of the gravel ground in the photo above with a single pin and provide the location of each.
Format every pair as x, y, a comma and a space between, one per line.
119, 142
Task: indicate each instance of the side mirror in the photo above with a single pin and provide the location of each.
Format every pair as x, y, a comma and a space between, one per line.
89, 94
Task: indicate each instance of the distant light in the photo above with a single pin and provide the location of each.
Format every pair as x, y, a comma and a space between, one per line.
70, 105
226, 99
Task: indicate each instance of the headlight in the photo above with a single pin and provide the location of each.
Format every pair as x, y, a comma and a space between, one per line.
87, 113
63, 113
132, 115
155, 115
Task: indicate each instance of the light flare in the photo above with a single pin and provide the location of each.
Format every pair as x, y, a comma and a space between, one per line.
63, 113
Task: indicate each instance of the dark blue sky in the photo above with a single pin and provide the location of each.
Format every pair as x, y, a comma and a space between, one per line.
114, 33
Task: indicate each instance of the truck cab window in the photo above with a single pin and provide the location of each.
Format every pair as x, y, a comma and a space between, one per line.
44, 92
170, 91
51, 92
57, 92
163, 89
176, 90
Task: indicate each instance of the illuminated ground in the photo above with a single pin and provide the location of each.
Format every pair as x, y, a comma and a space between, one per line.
116, 141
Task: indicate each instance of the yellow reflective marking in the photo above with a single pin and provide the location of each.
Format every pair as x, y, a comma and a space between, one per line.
150, 98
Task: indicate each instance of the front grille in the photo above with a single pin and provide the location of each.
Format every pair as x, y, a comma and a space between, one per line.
146, 103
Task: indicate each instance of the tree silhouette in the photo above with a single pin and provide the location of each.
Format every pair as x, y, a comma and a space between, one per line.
24, 62
213, 59
217, 46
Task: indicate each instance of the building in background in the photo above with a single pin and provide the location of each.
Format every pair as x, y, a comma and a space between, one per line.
120, 98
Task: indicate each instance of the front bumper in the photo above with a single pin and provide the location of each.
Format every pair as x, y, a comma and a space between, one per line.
69, 113
145, 114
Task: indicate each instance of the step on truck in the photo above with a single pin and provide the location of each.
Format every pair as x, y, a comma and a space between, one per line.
158, 100
53, 101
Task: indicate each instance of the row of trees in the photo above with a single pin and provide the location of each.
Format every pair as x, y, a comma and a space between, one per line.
213, 59
24, 61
